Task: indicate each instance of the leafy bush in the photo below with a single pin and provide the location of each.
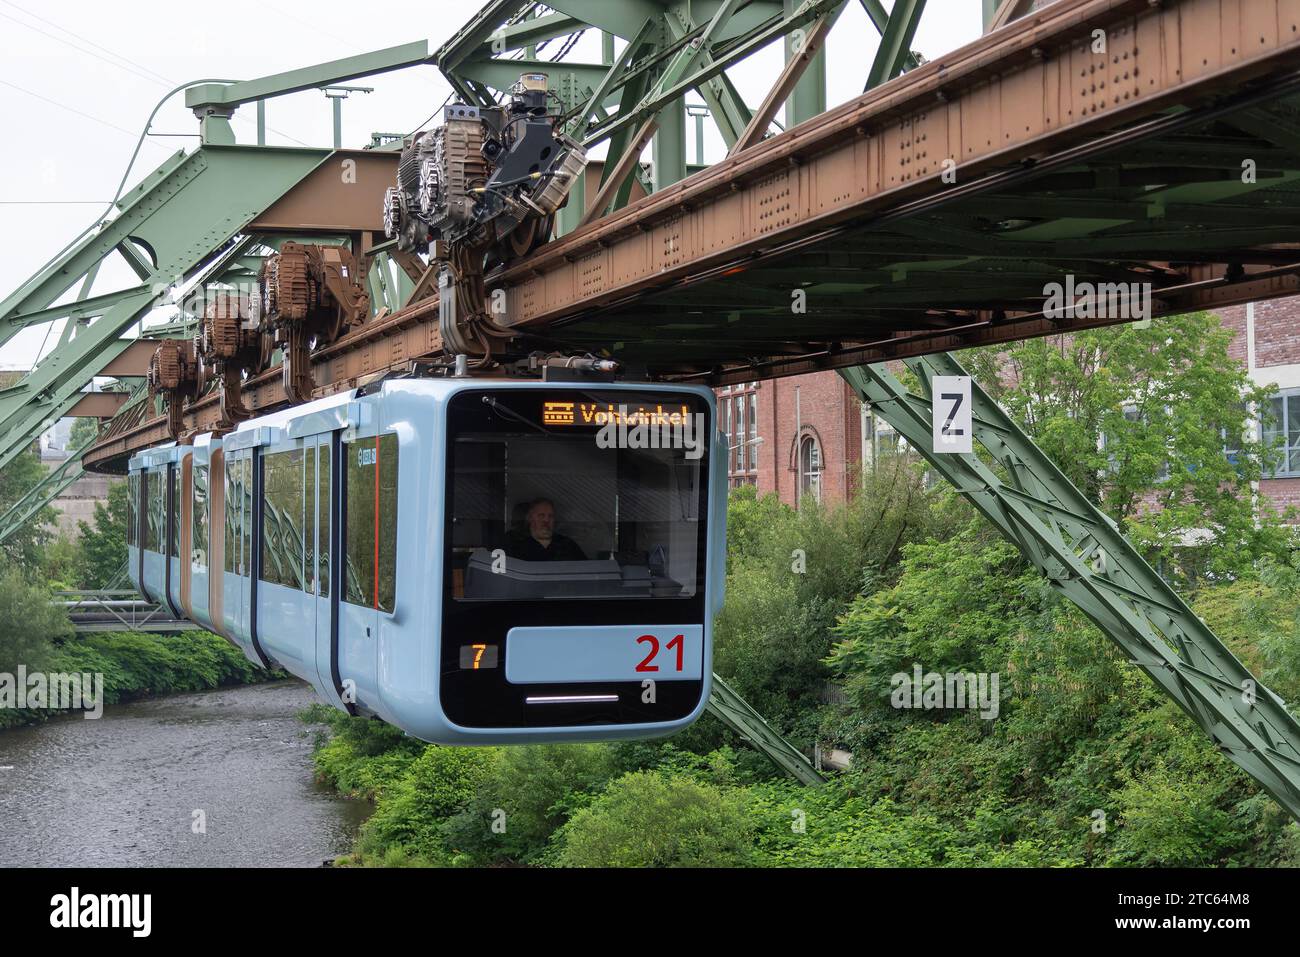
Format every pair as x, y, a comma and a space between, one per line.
958, 607
136, 664
792, 573
29, 626
409, 821
653, 819
360, 758
559, 779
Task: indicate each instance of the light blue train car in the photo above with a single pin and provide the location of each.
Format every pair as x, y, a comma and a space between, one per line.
474, 561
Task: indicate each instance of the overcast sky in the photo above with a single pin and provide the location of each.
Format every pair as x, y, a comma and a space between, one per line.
79, 78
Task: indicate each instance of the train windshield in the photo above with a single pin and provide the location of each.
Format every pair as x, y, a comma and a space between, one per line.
576, 494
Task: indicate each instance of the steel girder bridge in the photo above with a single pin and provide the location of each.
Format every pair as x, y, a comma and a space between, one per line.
1154, 142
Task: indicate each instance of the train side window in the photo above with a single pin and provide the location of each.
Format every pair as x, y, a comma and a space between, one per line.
153, 511
323, 518
232, 536
282, 519
238, 513
174, 500
132, 510
199, 526
246, 525
370, 530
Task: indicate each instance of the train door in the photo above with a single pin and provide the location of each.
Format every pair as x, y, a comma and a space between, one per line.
217, 541
134, 540
366, 575
283, 603
184, 536
196, 557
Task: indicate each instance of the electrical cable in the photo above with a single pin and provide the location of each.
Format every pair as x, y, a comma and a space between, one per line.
64, 106
63, 29
135, 68
102, 219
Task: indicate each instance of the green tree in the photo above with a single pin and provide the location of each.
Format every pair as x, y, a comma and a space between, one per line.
1142, 421
103, 545
29, 624
83, 430
22, 474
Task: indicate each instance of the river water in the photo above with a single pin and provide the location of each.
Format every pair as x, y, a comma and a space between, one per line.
123, 790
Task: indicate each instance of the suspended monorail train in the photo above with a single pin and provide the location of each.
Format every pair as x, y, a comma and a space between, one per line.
473, 561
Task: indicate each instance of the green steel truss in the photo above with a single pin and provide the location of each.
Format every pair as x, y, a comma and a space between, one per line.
1085, 558
54, 483
42, 493
733, 711
673, 49
168, 229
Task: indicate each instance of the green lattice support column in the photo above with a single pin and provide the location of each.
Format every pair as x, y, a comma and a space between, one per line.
1081, 552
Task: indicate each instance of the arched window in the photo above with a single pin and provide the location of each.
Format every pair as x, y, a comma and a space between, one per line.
810, 468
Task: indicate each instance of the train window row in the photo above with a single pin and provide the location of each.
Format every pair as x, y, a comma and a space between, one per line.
294, 553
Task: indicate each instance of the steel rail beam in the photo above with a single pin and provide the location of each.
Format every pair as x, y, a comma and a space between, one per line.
390, 344
1081, 552
889, 147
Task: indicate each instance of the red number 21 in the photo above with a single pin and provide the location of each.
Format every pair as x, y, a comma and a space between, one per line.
678, 643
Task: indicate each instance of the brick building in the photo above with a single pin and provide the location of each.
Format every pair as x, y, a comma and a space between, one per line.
796, 436
1266, 341
809, 435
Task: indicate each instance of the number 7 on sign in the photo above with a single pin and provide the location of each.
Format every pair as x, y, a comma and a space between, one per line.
951, 419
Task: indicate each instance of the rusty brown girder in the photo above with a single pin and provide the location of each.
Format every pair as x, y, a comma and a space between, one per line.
375, 348
1021, 94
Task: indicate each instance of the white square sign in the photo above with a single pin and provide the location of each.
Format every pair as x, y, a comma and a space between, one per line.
952, 428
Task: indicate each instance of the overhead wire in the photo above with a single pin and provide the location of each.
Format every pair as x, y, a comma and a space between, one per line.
37, 16
70, 109
133, 68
